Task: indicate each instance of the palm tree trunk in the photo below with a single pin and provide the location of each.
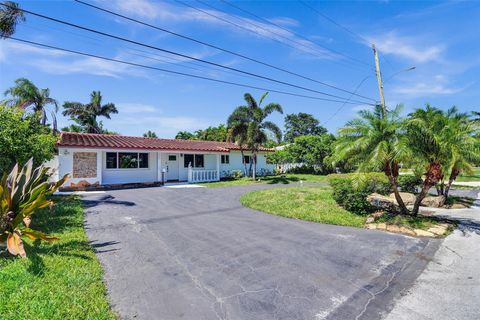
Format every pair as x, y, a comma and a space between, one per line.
433, 175
453, 176
401, 204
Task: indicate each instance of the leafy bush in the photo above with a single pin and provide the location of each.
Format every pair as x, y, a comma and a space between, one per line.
21, 194
351, 190
408, 183
23, 137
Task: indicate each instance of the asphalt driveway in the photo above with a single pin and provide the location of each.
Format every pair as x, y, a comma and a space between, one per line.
198, 254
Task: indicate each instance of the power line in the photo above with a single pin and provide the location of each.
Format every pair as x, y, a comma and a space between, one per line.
333, 21
217, 47
346, 101
293, 32
170, 71
309, 51
178, 54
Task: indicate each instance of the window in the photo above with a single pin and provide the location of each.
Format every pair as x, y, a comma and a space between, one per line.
111, 160
246, 159
199, 161
143, 160
225, 159
195, 160
126, 160
172, 157
188, 160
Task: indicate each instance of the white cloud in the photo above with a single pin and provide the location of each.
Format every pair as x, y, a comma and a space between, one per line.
414, 49
436, 85
165, 12
136, 108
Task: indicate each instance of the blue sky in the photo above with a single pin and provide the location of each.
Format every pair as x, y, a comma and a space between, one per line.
441, 39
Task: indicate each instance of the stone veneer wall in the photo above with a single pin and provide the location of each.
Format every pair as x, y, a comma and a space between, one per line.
84, 165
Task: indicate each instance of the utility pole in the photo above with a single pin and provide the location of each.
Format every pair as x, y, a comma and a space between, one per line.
379, 79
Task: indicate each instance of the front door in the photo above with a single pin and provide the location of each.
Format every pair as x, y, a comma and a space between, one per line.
172, 167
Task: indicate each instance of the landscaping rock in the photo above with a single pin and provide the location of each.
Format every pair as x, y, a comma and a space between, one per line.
370, 220
383, 202
408, 231
393, 228
371, 226
408, 198
433, 201
437, 230
423, 233
382, 226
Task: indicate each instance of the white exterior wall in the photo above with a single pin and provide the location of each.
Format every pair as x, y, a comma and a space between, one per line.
209, 163
236, 162
114, 176
65, 165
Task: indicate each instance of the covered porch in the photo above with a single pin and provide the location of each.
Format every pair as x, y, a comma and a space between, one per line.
189, 167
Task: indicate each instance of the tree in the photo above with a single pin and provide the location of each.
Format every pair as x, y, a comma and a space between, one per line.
185, 135
212, 133
312, 151
85, 115
443, 143
375, 143
477, 115
25, 94
22, 137
301, 124
250, 120
150, 134
10, 15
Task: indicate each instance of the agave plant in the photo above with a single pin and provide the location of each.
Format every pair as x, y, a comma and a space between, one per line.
22, 193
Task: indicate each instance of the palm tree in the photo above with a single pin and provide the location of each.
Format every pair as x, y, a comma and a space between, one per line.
459, 136
86, 114
25, 94
150, 134
375, 141
237, 133
477, 115
431, 146
10, 15
247, 123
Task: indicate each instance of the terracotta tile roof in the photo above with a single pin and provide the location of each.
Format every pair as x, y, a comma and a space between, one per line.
107, 141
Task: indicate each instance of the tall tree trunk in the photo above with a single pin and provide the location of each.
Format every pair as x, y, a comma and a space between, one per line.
401, 204
432, 176
392, 171
453, 176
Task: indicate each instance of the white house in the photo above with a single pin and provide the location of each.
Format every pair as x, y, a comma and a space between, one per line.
99, 159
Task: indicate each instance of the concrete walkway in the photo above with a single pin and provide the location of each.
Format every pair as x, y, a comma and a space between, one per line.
198, 254
449, 288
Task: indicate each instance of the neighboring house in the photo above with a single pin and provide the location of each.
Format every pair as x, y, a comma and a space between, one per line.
99, 159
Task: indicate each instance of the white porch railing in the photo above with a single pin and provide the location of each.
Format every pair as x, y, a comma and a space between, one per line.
201, 175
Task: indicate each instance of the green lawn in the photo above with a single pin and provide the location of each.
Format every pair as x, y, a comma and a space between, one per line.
473, 177
305, 203
280, 179
62, 280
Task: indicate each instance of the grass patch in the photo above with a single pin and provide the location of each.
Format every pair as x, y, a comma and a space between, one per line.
418, 222
304, 203
473, 177
62, 280
279, 179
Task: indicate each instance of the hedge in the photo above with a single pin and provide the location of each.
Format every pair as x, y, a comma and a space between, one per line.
350, 190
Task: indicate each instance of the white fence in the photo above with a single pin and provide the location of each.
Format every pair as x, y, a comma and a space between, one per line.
200, 175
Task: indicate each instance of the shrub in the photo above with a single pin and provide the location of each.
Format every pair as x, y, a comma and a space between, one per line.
21, 194
351, 190
408, 183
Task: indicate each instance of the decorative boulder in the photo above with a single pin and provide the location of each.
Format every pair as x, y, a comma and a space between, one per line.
408, 198
383, 202
433, 201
